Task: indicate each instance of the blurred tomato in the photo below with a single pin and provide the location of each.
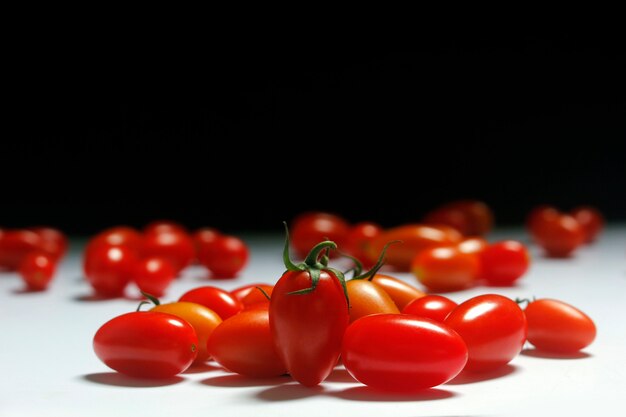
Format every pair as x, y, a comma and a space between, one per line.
118, 236
172, 244
15, 245
226, 257
54, 241
160, 226
445, 268
309, 229
358, 240
559, 236
109, 268
591, 220
470, 217
37, 270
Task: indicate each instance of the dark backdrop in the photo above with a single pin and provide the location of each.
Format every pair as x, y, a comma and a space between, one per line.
245, 135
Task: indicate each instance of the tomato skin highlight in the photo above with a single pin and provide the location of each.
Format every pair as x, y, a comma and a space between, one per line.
243, 344
434, 307
401, 292
154, 275
493, 327
398, 352
504, 262
555, 326
445, 269
307, 328
367, 298
109, 268
146, 344
170, 243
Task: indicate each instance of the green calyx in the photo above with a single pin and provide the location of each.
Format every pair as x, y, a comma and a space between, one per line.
152, 298
369, 275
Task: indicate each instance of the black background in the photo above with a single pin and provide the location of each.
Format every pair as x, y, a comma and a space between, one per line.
243, 135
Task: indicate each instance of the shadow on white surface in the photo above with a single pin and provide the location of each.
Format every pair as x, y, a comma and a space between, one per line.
467, 377
238, 381
340, 375
289, 392
198, 368
536, 353
27, 291
364, 393
119, 380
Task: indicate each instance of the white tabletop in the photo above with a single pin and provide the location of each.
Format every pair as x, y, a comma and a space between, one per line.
49, 369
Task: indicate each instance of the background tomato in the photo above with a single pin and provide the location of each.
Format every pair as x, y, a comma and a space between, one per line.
118, 236
503, 263
15, 245
445, 268
153, 275
160, 226
559, 236
434, 307
225, 257
216, 299
54, 241
308, 229
172, 244
37, 270
109, 268
591, 221
358, 240
470, 217
204, 236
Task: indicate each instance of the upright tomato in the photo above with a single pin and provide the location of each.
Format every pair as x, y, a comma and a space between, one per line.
591, 220
309, 315
308, 229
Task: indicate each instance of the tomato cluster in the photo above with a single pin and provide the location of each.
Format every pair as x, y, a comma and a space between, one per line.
154, 257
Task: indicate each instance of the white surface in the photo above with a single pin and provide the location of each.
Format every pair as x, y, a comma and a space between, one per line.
49, 369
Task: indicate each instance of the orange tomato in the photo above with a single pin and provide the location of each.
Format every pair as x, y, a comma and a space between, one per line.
446, 269
368, 298
399, 291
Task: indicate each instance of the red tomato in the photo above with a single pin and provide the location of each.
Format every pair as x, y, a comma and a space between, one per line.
449, 216
243, 344
146, 344
37, 270
204, 236
216, 299
367, 298
160, 226
308, 316
555, 326
470, 217
445, 269
415, 238
493, 328
54, 242
118, 236
559, 236
174, 245
539, 215
504, 262
109, 268
591, 220
400, 291
473, 245
399, 352
358, 239
225, 257
309, 229
434, 307
15, 245
257, 297
241, 292
154, 275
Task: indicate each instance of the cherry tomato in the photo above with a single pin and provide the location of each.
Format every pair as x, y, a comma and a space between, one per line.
401, 292
493, 328
240, 292
171, 244
367, 298
146, 344
449, 216
204, 236
539, 215
154, 275
118, 236
216, 299
559, 236
15, 245
160, 226
445, 269
399, 352
434, 307
225, 257
473, 245
309, 229
257, 297
109, 268
414, 238
243, 344
54, 242
470, 217
358, 240
308, 316
591, 220
37, 270
504, 262
555, 326
203, 320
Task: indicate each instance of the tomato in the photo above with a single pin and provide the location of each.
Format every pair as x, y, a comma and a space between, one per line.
493, 328
449, 216
399, 352
204, 236
15, 245
154, 275
309, 229
257, 297
555, 326
470, 217
243, 344
539, 215
445, 269
37, 270
414, 238
504, 262
54, 242
118, 236
241, 292
171, 244
559, 236
109, 268
225, 257
434, 307
146, 344
160, 226
203, 320
401, 292
308, 316
368, 298
473, 245
216, 299
591, 220
358, 239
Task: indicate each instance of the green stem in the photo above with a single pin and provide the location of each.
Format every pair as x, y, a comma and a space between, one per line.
369, 275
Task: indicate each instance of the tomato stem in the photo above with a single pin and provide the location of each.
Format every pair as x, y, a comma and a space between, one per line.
369, 275
150, 297
264, 293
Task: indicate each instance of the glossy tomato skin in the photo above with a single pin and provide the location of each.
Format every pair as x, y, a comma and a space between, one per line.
555, 326
559, 236
399, 291
308, 229
432, 306
445, 269
37, 270
359, 238
15, 245
146, 344
154, 275
241, 292
171, 244
415, 238
367, 298
473, 245
216, 299
109, 268
225, 257
307, 328
591, 221
398, 352
257, 297
505, 262
203, 320
243, 344
493, 328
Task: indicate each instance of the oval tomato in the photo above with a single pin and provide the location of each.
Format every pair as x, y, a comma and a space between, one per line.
225, 257
434, 307
216, 299
445, 269
401, 292
555, 326
308, 229
493, 328
109, 268
146, 344
559, 236
505, 262
399, 352
367, 298
243, 344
